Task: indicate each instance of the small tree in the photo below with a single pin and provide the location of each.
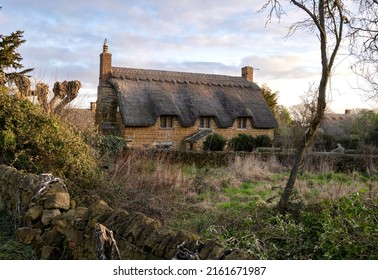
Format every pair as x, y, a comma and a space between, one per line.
304, 112
283, 134
365, 128
270, 97
214, 142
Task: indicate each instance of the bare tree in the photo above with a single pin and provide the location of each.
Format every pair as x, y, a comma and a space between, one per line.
364, 45
304, 112
327, 19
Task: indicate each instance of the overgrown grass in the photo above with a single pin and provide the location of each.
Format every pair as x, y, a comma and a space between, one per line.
235, 204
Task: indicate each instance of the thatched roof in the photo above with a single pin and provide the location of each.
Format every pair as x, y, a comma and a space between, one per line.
338, 124
145, 95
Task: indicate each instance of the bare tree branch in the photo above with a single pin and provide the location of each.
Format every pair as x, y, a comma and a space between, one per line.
327, 17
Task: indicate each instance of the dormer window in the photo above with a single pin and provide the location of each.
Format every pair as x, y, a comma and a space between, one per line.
242, 122
166, 121
205, 122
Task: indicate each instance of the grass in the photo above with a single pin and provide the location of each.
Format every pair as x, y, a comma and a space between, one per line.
10, 248
211, 200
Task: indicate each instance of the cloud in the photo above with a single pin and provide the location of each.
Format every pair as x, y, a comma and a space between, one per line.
281, 67
64, 39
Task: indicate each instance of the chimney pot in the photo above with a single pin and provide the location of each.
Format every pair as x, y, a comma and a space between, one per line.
105, 46
105, 63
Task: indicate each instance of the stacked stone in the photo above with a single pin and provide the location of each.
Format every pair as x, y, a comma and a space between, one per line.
58, 229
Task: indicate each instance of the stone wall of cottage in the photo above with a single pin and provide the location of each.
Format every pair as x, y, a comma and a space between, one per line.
106, 117
109, 122
150, 136
51, 221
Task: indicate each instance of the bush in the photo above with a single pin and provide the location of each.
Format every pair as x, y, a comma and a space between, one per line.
343, 229
263, 141
214, 142
243, 142
106, 145
329, 142
32, 141
350, 229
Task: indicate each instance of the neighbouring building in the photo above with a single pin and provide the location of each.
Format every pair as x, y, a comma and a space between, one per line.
155, 108
338, 125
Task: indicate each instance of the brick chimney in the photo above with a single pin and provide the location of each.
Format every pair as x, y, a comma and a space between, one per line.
105, 63
247, 73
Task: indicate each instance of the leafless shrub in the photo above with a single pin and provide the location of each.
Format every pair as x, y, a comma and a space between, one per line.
253, 167
151, 183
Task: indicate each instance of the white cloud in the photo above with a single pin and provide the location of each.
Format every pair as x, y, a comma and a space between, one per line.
64, 40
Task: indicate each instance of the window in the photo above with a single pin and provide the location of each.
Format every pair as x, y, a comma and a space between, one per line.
166, 121
242, 122
205, 122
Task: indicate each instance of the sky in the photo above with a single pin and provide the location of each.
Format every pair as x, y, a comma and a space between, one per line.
64, 39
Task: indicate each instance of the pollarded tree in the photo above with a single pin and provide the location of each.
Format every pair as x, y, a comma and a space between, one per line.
10, 59
327, 19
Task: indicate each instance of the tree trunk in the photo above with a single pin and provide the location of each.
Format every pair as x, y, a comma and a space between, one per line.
327, 17
284, 200
320, 109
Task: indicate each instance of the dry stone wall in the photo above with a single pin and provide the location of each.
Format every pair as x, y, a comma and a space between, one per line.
59, 229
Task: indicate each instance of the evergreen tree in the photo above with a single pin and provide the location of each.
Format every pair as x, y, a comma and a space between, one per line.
270, 97
10, 59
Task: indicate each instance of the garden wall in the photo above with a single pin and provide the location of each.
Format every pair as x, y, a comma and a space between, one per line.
337, 162
49, 219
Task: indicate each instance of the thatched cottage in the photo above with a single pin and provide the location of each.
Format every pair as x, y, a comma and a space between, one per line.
154, 108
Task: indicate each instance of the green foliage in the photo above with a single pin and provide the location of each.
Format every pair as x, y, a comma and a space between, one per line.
339, 230
329, 142
263, 141
350, 229
8, 140
9, 57
214, 142
10, 249
365, 127
109, 145
243, 142
34, 142
270, 97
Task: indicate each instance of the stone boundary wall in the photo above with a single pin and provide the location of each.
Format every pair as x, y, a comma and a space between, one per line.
338, 162
59, 229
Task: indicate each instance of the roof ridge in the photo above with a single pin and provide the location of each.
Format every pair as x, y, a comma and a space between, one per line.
170, 72
180, 77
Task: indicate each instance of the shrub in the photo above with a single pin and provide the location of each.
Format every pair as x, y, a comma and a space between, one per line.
214, 142
350, 229
263, 141
243, 142
109, 145
32, 141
